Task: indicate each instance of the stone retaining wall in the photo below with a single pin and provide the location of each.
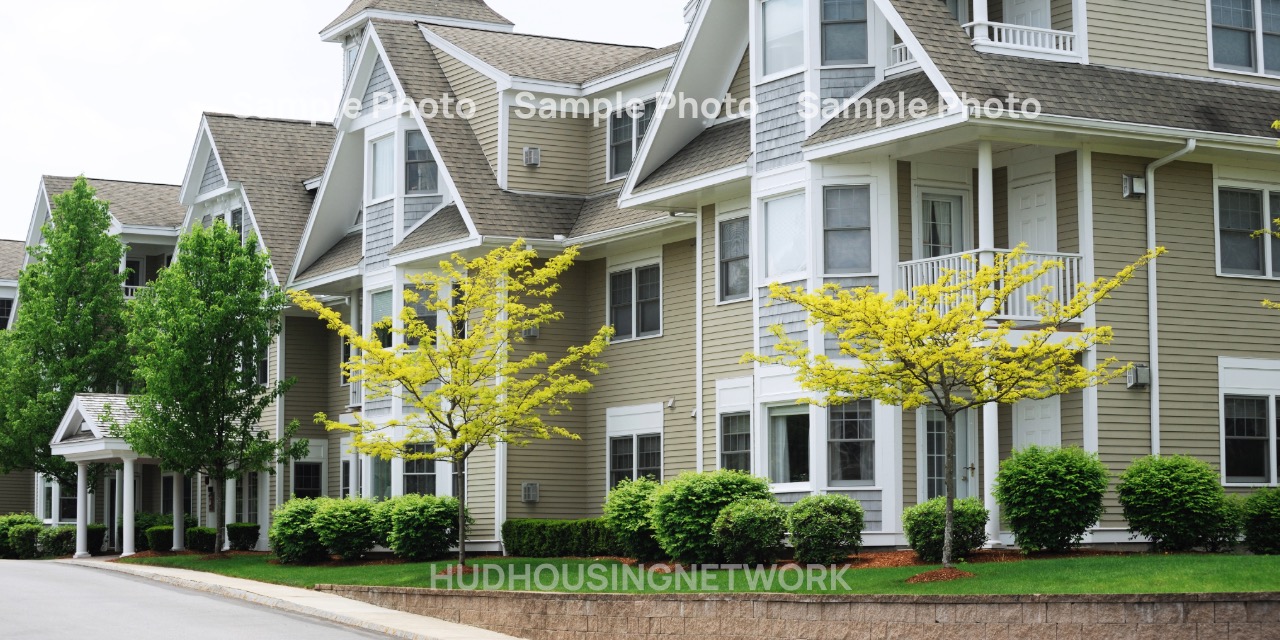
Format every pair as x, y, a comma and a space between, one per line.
554, 616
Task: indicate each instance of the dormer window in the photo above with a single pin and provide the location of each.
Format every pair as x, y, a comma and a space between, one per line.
844, 32
626, 129
783, 35
421, 173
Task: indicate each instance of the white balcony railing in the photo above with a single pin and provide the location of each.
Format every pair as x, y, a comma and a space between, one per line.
1049, 43
357, 395
1063, 282
131, 291
900, 56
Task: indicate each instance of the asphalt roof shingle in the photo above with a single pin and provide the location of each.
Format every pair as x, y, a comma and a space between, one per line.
719, 147
132, 203
446, 225
475, 10
12, 254
852, 122
344, 255
544, 58
602, 214
272, 159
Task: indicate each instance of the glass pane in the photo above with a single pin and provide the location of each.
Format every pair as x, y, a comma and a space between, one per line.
847, 208
940, 218
1233, 13
1271, 53
621, 460
648, 283
785, 235
380, 311
783, 35
735, 279
1247, 435
384, 155
1275, 240
735, 442
735, 239
836, 10
621, 146
620, 314
1233, 48
649, 456
1271, 16
848, 251
844, 43
643, 121
306, 479
789, 448
650, 318
381, 478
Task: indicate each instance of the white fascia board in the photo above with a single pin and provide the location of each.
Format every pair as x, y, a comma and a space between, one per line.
189, 183
454, 51
899, 25
320, 281
313, 183
629, 231
262, 243
150, 230
315, 204
657, 65
736, 172
1159, 133
333, 34
884, 136
445, 249
39, 213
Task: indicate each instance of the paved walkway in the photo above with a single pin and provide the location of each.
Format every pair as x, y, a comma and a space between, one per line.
314, 604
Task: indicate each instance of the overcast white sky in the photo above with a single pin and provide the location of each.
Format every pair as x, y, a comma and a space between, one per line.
114, 89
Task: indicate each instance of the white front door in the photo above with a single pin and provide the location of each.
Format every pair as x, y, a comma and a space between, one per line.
932, 468
1032, 219
1037, 422
1027, 13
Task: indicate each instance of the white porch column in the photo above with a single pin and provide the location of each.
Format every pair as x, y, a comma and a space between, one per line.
990, 465
179, 522
980, 34
986, 257
986, 201
127, 547
82, 510
231, 512
118, 500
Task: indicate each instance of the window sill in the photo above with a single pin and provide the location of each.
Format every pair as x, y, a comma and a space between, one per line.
1245, 276
424, 194
373, 202
1248, 485
725, 303
778, 75
635, 339
1244, 72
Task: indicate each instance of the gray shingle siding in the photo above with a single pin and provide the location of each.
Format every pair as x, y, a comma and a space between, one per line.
379, 228
416, 209
212, 175
791, 316
872, 505
779, 125
379, 83
830, 343
844, 83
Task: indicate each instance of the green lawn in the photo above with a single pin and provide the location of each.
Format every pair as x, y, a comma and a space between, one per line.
1095, 574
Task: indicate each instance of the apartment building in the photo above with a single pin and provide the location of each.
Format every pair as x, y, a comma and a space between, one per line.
1120, 126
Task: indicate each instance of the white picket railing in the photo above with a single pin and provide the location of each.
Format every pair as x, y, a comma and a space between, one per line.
131, 292
1033, 39
1058, 284
900, 55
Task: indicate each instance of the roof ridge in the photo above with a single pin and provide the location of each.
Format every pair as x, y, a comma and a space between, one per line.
542, 37
313, 123
92, 180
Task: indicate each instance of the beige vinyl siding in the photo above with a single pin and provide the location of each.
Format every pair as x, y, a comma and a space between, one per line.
467, 83
1066, 183
1000, 202
557, 465
1060, 14
308, 360
17, 492
740, 85
481, 480
564, 168
647, 371
1155, 35
910, 480
726, 336
906, 200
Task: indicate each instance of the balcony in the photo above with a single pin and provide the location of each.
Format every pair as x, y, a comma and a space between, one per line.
1048, 44
900, 60
131, 291
1020, 307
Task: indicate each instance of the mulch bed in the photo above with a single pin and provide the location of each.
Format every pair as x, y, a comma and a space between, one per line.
939, 575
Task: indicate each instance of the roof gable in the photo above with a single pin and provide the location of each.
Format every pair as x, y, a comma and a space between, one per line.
542, 57
131, 203
463, 10
12, 255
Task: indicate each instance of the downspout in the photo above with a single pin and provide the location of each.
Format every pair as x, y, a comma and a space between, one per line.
698, 436
1153, 314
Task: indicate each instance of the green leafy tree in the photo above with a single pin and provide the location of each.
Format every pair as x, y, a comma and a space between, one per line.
199, 332
69, 335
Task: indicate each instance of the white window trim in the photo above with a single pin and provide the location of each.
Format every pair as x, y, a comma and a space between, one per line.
819, 222
1259, 51
636, 140
875, 40
735, 396
760, 265
758, 67
968, 229
630, 262
614, 430
393, 138
1267, 189
760, 433
851, 485
1248, 377
727, 216
322, 458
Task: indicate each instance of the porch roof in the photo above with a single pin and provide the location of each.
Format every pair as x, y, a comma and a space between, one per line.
85, 433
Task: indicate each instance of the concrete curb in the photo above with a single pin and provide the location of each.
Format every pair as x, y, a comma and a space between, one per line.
449, 630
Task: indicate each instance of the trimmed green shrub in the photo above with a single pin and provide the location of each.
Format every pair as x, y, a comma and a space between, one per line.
291, 536
201, 539
381, 520
1225, 535
925, 525
58, 542
143, 521
1262, 522
825, 529
97, 537
686, 508
8, 522
626, 514
751, 531
534, 538
243, 536
422, 527
24, 541
160, 538
1176, 501
345, 527
1051, 496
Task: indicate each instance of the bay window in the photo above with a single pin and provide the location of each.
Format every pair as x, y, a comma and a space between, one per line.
1246, 35
847, 229
784, 236
735, 442
635, 302
783, 35
382, 179
1242, 213
851, 443
635, 456
844, 32
735, 259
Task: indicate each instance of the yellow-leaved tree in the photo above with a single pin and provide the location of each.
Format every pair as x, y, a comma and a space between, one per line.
948, 344
459, 368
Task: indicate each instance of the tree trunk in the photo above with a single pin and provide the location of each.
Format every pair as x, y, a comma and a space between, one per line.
950, 471
220, 512
459, 493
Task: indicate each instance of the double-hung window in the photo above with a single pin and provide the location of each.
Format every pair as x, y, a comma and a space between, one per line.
789, 444
1246, 35
1242, 214
263, 364
308, 478
635, 302
785, 236
6, 311
626, 130
847, 229
735, 259
851, 443
1247, 435
380, 317
635, 456
783, 35
420, 474
844, 32
421, 173
382, 180
237, 222
735, 442
429, 318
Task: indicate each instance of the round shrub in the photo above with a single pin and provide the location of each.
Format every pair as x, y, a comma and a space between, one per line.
202, 539
686, 508
24, 541
1225, 534
291, 536
751, 531
825, 529
626, 514
1176, 501
58, 541
8, 522
345, 527
160, 538
925, 525
1262, 522
422, 527
1051, 496
97, 537
243, 536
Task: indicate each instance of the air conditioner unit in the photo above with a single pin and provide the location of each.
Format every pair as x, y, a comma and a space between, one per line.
532, 156
1139, 377
1134, 186
529, 492
530, 333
